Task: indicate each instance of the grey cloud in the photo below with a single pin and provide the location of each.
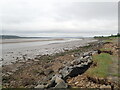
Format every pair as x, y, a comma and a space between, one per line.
59, 17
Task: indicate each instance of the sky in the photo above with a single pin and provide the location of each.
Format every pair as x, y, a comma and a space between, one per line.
48, 18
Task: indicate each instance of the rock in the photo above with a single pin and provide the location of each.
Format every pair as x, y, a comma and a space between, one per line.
41, 86
76, 62
89, 61
57, 82
72, 55
46, 66
76, 83
77, 66
9, 73
87, 57
87, 54
94, 52
36, 60
85, 63
104, 86
41, 73
60, 83
56, 75
48, 71
76, 55
102, 81
51, 84
65, 71
80, 65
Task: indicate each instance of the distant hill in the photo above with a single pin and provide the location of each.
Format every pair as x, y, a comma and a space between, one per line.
17, 37
9, 36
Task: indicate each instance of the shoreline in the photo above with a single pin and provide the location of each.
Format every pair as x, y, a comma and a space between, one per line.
44, 62
13, 55
43, 70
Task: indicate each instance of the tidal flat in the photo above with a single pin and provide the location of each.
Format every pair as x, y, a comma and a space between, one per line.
24, 49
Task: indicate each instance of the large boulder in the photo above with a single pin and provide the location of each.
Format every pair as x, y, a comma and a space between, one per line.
53, 82
77, 66
65, 71
57, 82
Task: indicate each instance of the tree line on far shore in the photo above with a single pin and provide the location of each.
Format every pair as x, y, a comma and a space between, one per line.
117, 35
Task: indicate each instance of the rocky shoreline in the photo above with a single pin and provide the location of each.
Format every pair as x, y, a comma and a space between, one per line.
25, 51
56, 71
71, 69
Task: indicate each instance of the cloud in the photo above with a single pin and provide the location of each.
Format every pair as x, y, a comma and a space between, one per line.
31, 17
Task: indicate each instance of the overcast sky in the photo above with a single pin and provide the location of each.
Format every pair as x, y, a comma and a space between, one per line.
42, 18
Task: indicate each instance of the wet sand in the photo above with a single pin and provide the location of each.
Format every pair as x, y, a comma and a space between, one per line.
26, 53
7, 41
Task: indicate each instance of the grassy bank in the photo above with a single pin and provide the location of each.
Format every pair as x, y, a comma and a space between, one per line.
102, 62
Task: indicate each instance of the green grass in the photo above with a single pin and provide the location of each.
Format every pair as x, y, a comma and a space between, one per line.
105, 49
108, 40
0, 87
111, 39
103, 61
115, 74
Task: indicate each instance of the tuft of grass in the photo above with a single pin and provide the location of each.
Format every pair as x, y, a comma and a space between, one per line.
103, 61
108, 40
116, 74
0, 87
106, 49
111, 39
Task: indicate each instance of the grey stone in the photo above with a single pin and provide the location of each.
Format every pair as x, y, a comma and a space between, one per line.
80, 65
85, 63
94, 52
60, 83
87, 54
89, 61
75, 62
51, 84
41, 86
48, 71
104, 86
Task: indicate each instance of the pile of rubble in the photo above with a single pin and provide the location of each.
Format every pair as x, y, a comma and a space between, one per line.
71, 69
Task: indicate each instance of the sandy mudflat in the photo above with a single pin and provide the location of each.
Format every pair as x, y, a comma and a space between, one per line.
7, 41
30, 52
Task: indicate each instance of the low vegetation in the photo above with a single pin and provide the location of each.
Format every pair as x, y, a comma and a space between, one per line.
102, 61
108, 37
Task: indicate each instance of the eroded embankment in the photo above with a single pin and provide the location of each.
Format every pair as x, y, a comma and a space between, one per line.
103, 73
